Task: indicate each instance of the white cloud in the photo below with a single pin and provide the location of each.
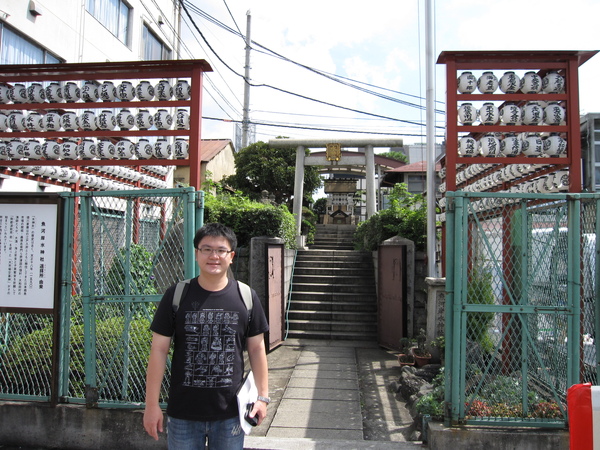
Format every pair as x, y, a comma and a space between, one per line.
380, 42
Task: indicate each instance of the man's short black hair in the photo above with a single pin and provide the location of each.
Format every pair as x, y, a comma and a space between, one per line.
216, 230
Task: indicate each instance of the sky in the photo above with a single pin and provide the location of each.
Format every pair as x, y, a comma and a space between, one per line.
377, 45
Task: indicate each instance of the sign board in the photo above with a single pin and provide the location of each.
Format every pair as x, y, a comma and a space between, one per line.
29, 250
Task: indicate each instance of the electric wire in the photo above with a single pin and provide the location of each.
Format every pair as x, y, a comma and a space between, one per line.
232, 18
332, 77
302, 127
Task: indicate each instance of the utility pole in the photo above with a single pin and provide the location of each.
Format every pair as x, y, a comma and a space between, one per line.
246, 111
430, 125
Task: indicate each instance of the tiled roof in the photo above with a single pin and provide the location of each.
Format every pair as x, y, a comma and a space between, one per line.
212, 147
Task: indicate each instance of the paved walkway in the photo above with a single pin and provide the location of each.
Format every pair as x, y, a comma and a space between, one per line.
332, 395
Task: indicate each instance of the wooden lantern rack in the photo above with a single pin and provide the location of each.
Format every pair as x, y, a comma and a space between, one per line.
192, 70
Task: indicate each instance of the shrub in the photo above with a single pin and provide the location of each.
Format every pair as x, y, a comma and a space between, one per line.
140, 271
480, 292
250, 219
406, 217
31, 355
433, 402
308, 229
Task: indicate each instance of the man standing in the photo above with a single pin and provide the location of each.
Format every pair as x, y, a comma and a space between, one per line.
210, 329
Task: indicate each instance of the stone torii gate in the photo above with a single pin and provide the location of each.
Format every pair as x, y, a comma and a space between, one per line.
333, 161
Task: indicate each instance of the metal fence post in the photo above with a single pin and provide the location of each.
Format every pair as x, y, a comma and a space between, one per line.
89, 313
65, 294
449, 415
573, 289
596, 284
459, 283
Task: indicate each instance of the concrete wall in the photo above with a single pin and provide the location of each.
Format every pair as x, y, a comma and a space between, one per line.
71, 427
495, 438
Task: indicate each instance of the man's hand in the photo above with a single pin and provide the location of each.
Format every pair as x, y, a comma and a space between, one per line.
153, 420
259, 411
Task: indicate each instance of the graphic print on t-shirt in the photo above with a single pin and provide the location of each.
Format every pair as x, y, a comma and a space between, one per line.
209, 348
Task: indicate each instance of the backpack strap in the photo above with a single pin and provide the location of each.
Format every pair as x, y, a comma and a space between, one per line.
182, 287
246, 293
180, 291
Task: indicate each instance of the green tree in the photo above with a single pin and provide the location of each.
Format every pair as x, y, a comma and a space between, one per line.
260, 167
406, 217
320, 206
398, 156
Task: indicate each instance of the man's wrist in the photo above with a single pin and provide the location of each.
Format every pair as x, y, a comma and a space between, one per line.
266, 400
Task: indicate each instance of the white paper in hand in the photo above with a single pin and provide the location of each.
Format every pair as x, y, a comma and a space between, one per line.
247, 394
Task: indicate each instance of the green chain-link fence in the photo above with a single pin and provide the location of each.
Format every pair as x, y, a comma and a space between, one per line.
121, 251
522, 276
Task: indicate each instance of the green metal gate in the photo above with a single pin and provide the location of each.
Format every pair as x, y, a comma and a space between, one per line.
521, 311
121, 251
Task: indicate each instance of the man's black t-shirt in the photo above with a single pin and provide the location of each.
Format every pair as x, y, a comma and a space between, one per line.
209, 331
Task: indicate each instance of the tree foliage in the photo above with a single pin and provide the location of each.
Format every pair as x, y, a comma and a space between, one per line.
140, 271
250, 219
398, 156
406, 217
320, 206
260, 167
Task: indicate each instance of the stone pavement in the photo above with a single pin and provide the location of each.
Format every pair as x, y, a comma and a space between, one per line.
332, 395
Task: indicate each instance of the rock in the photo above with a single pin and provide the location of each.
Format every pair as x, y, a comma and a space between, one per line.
409, 382
412, 385
425, 389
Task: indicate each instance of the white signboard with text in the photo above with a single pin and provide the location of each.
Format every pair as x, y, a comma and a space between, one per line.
28, 255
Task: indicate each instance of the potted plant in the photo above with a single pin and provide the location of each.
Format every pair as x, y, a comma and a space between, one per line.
420, 352
405, 358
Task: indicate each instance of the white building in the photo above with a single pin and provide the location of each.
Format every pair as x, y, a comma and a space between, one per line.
71, 31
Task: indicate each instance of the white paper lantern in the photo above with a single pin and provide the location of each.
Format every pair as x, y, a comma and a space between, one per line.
71, 92
533, 145
489, 114
553, 83
466, 83
487, 83
489, 146
467, 114
467, 146
531, 83
509, 83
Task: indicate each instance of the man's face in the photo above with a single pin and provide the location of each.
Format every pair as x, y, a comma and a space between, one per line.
214, 255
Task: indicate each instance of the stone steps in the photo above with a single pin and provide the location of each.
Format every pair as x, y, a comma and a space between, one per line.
333, 290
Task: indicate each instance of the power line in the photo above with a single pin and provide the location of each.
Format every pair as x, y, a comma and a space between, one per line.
232, 18
280, 89
333, 77
313, 128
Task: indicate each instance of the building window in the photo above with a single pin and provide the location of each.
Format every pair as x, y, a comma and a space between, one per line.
15, 48
416, 184
113, 14
154, 49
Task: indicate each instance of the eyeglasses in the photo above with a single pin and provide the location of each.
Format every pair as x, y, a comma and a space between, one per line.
220, 252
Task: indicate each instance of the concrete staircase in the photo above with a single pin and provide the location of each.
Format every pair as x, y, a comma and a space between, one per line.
333, 289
